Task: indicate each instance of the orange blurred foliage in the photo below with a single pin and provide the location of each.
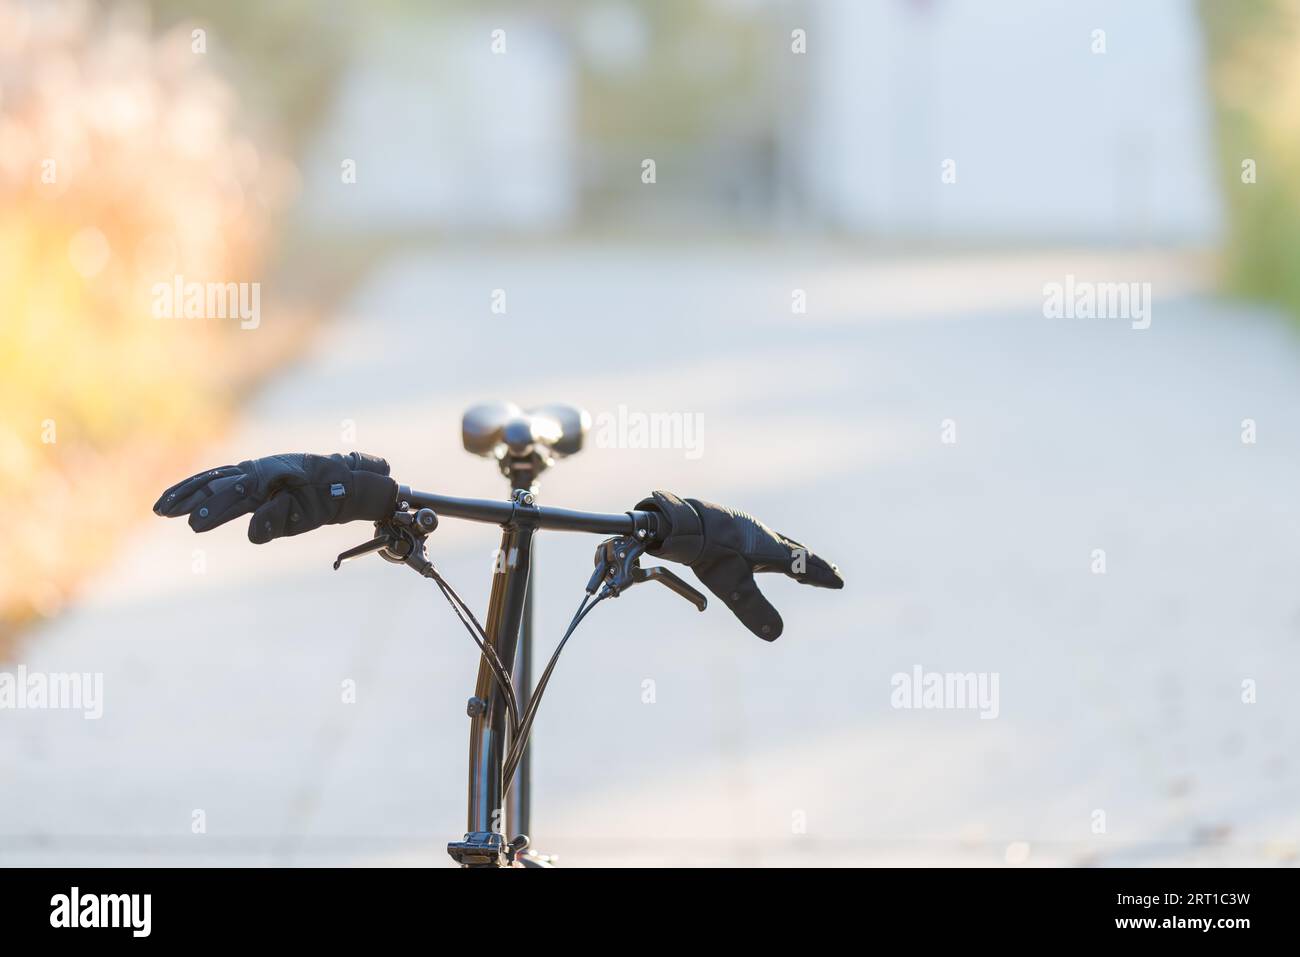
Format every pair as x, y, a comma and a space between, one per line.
121, 165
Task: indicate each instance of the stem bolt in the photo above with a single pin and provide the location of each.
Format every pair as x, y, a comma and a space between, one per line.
475, 706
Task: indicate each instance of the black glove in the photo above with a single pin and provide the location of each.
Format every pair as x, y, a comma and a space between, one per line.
725, 547
291, 493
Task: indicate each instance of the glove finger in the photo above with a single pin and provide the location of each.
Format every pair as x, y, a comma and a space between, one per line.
202, 496
808, 569
365, 462
224, 499
271, 519
173, 501
731, 580
821, 574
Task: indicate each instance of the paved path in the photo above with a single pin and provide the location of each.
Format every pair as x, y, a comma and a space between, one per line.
1118, 692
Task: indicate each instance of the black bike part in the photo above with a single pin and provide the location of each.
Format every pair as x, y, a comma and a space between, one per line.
640, 524
618, 566
665, 577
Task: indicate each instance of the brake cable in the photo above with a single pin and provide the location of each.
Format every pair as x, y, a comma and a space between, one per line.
618, 568
490, 656
401, 541
520, 726
520, 741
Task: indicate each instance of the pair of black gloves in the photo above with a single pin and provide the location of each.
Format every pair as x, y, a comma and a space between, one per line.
295, 493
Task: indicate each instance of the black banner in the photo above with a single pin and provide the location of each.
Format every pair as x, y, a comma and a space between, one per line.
333, 906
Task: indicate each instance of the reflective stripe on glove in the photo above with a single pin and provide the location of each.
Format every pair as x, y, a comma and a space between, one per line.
287, 494
725, 548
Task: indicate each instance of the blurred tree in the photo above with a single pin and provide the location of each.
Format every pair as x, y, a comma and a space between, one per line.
125, 164
1255, 79
282, 57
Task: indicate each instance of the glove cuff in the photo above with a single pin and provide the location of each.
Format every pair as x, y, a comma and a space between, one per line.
684, 539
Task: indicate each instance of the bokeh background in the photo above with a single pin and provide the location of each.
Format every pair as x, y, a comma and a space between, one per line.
839, 268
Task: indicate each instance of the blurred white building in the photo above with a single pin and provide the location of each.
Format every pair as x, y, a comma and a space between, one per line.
448, 129
1057, 120
1048, 138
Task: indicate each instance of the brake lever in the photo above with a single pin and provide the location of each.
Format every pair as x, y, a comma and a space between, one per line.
669, 579
381, 541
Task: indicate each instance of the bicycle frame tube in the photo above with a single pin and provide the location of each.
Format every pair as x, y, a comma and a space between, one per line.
519, 792
488, 728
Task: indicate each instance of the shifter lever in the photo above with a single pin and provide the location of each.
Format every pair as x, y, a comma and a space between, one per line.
399, 539
618, 565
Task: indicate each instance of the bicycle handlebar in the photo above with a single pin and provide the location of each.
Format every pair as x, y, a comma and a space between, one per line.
644, 525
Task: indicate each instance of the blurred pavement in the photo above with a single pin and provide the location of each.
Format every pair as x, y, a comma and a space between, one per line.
1119, 692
